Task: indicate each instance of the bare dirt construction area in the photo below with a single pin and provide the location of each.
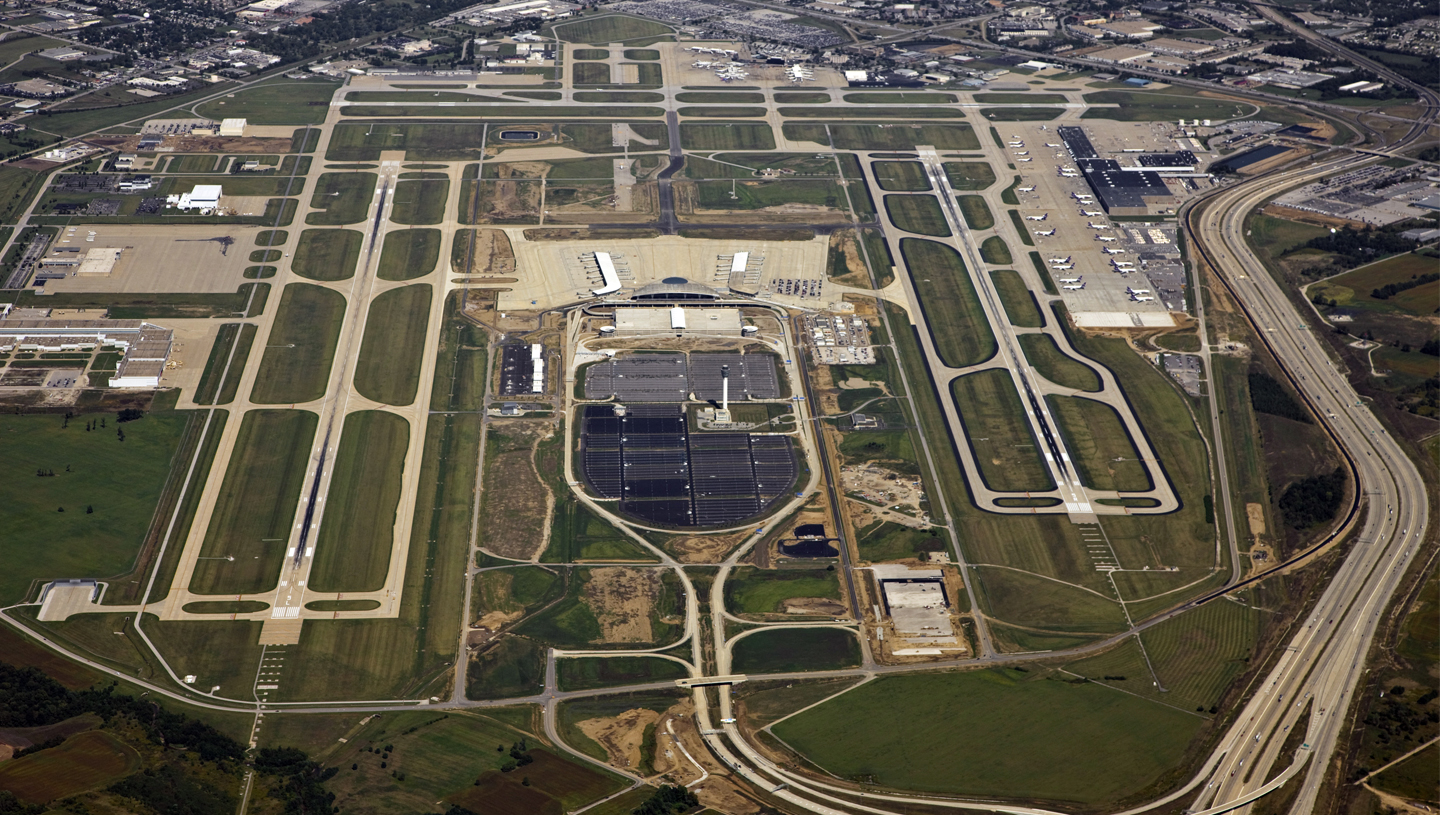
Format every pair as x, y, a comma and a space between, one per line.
200, 144
814, 606
704, 548
900, 494
851, 270
515, 194
622, 600
1313, 218
490, 254
515, 503
621, 736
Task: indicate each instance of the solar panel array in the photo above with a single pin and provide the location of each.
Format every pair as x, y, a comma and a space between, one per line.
664, 475
671, 378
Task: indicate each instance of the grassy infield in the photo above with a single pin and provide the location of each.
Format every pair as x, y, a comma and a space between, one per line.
357, 659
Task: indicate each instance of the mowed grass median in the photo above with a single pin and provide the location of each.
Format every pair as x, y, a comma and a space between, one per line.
976, 211
255, 510
1099, 444
389, 366
327, 254
917, 213
796, 649
901, 176
408, 254
958, 325
998, 431
352, 552
343, 197
1019, 302
301, 346
995, 733
420, 201
1056, 366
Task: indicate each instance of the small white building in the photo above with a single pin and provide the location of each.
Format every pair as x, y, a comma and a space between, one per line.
205, 198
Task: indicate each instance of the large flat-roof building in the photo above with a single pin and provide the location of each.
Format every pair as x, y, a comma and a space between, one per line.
678, 320
146, 347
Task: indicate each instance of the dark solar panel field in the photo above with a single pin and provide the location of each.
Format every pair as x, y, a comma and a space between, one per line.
671, 378
664, 475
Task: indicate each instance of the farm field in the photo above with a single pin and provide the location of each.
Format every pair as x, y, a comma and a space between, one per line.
121, 481
85, 761
256, 504
1418, 301
1056, 366
301, 348
952, 308
352, 551
344, 198
1006, 451
917, 213
803, 649
327, 255
1019, 303
408, 254
1099, 444
1019, 740
388, 369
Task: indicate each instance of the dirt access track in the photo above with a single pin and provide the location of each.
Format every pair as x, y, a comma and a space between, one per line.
623, 599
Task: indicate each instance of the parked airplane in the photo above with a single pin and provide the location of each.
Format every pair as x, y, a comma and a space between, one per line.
1142, 299
1112, 251
1030, 188
1059, 260
1037, 217
1048, 144
1091, 213
1046, 233
1105, 238
1063, 268
1069, 280
1023, 160
1022, 152
1073, 288
1099, 226
1129, 290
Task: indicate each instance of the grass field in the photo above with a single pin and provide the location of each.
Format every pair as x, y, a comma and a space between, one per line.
421, 141
211, 390
352, 551
388, 369
572, 712
802, 98
976, 211
409, 254
1020, 739
1020, 114
591, 73
583, 674
1062, 369
85, 761
1198, 654
722, 112
509, 667
885, 540
513, 502
17, 186
343, 197
909, 112
1099, 445
420, 202
296, 364
1023, 599
1020, 229
255, 185
952, 308
919, 214
719, 98
121, 480
1006, 451
899, 98
510, 112
275, 103
609, 28
748, 165
327, 254
75, 121
460, 361
1023, 98
1276, 236
804, 649
764, 591
969, 175
1019, 303
993, 250
256, 505
641, 54
1419, 301
589, 54
619, 97
901, 176
762, 194
855, 136
733, 136
1415, 777
1151, 106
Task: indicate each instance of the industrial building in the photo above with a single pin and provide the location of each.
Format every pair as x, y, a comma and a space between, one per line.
1119, 190
204, 197
146, 347
679, 321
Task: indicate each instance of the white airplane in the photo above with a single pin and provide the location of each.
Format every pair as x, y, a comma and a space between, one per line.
1017, 144
1091, 213
1142, 299
1111, 251
1129, 290
1059, 260
1069, 175
1105, 238
1046, 233
1023, 160
1022, 152
1099, 226
1063, 268
1069, 280
1074, 288
1037, 217
1048, 144
1030, 188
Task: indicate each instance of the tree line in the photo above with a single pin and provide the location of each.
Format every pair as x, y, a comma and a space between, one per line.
1389, 290
1314, 500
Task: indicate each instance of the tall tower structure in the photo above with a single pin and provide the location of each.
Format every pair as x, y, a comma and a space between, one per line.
722, 416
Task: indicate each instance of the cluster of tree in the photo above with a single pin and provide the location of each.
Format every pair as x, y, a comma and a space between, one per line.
519, 757
668, 800
1298, 49
10, 805
29, 698
1269, 396
349, 22
1354, 247
1431, 347
1389, 290
1314, 500
157, 38
1431, 153
129, 415
169, 789
301, 784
